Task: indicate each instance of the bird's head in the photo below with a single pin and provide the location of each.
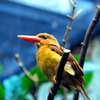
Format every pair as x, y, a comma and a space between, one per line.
40, 39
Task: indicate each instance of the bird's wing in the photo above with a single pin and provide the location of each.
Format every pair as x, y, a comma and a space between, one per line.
75, 65
68, 68
74, 68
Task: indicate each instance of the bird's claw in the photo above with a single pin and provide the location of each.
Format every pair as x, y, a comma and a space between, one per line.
54, 79
51, 90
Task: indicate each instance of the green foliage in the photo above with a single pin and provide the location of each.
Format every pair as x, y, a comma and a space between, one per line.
0, 67
2, 93
27, 83
41, 77
77, 58
60, 90
88, 78
19, 95
22, 98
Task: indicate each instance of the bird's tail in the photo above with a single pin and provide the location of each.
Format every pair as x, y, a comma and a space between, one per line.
84, 94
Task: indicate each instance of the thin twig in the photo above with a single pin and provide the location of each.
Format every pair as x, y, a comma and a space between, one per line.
72, 17
33, 78
58, 78
77, 13
73, 3
64, 93
85, 44
20, 64
65, 38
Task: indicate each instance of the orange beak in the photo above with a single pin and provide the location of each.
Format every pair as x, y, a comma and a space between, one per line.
32, 39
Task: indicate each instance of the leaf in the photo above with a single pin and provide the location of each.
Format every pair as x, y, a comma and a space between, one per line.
0, 67
88, 78
22, 98
77, 58
2, 93
26, 83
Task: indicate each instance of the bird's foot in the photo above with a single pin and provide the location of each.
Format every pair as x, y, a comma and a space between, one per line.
51, 90
54, 79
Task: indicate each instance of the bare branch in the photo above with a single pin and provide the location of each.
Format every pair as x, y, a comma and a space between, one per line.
33, 78
77, 13
69, 27
73, 3
88, 35
20, 64
85, 44
58, 78
64, 93
98, 7
70, 17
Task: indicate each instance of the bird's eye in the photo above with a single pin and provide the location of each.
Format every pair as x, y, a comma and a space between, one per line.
44, 37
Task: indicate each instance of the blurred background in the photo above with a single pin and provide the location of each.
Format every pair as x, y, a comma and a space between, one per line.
30, 17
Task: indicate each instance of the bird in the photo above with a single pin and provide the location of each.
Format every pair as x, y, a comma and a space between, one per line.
48, 56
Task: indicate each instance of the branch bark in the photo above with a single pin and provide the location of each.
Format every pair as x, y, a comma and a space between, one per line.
65, 38
58, 78
72, 17
85, 44
89, 33
34, 78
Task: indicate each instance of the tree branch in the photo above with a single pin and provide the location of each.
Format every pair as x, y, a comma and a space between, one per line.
85, 44
72, 17
73, 3
20, 64
58, 78
88, 35
77, 13
33, 78
65, 38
